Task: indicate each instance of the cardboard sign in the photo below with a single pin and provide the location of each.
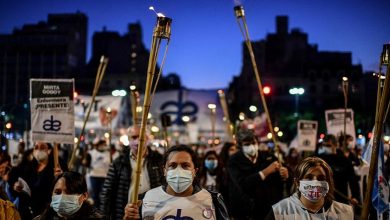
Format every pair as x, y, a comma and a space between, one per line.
98, 119
307, 135
335, 122
52, 110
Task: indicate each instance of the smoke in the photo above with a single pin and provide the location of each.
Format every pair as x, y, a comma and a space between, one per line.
237, 2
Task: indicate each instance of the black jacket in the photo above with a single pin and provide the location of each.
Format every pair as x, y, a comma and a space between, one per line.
115, 192
250, 196
343, 175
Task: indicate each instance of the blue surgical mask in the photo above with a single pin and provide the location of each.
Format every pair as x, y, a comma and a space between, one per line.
211, 164
65, 205
179, 179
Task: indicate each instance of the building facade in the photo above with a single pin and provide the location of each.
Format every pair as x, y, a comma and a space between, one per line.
286, 60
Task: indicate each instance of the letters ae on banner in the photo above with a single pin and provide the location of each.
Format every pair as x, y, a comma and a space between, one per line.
52, 110
307, 135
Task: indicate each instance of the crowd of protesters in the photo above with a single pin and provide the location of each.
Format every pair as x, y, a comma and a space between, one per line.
236, 180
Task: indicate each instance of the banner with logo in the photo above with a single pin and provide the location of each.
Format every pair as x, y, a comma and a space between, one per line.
307, 135
335, 122
99, 118
52, 110
194, 104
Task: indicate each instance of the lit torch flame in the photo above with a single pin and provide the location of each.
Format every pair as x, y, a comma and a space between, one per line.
158, 14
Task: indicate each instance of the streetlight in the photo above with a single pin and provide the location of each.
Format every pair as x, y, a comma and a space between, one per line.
119, 92
186, 119
345, 93
252, 108
297, 91
212, 108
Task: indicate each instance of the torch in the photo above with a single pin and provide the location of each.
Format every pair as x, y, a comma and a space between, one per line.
225, 110
380, 117
345, 93
240, 15
99, 76
134, 100
161, 31
212, 108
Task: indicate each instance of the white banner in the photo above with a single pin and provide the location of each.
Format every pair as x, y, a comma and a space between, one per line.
98, 118
307, 135
52, 110
194, 104
335, 122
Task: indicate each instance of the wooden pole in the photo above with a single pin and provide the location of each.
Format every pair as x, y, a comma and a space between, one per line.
161, 31
55, 155
378, 129
225, 110
99, 76
239, 12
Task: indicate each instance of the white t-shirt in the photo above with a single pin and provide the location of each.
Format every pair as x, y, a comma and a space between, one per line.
100, 163
144, 182
157, 204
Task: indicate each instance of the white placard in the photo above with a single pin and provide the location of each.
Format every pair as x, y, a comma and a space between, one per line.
335, 122
307, 135
98, 119
52, 110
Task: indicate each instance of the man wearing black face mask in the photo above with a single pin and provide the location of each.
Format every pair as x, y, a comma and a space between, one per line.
256, 179
343, 173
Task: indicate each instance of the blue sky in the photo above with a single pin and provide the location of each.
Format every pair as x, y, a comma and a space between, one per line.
206, 44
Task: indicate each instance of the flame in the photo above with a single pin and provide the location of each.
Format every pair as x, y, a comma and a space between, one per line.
158, 14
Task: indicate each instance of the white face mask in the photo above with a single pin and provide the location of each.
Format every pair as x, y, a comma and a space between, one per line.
313, 190
65, 205
40, 155
351, 146
325, 150
250, 150
179, 179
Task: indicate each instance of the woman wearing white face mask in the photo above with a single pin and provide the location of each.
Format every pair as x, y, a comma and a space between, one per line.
69, 200
181, 197
39, 173
313, 197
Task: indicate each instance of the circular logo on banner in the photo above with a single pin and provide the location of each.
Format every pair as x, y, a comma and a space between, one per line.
306, 142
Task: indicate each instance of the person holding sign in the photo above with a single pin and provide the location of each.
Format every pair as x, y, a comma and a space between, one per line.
313, 197
181, 197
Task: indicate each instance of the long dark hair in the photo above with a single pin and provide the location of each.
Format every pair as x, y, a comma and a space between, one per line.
217, 171
75, 182
224, 154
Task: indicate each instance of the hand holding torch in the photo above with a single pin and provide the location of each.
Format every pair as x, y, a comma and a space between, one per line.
161, 31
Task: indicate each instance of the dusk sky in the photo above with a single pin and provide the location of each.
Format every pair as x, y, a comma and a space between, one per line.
206, 44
